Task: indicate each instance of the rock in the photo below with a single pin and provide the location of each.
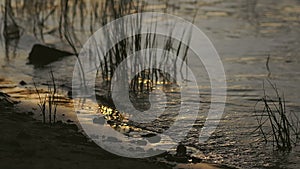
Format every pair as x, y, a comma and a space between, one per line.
22, 83
181, 150
41, 55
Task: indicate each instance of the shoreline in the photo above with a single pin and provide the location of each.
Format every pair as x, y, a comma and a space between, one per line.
28, 143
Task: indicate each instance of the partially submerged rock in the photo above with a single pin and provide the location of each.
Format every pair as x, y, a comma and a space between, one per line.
41, 55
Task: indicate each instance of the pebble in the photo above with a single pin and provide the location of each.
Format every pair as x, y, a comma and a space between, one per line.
22, 83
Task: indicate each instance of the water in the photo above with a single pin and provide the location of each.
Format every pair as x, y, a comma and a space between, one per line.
245, 33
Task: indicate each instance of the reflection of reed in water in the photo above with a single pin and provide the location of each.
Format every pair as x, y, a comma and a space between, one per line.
63, 18
11, 31
145, 80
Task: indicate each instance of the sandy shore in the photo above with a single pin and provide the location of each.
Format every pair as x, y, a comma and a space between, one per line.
28, 143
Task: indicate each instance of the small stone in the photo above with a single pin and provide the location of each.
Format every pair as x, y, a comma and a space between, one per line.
22, 83
181, 150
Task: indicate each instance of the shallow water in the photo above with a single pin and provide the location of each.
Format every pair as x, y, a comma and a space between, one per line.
245, 33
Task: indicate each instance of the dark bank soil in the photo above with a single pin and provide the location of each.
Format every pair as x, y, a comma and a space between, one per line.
27, 143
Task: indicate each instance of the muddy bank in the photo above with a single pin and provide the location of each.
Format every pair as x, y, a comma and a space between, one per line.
26, 142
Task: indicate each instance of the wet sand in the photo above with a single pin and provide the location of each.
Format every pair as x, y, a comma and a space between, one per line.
26, 142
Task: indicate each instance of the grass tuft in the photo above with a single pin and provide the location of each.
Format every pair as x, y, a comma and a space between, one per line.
275, 124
